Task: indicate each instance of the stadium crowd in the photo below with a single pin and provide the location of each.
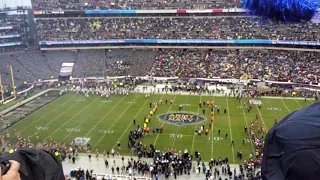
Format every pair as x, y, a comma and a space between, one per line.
173, 28
132, 4
300, 66
12, 31
267, 65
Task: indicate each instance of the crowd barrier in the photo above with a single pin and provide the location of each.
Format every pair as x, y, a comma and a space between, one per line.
179, 79
179, 41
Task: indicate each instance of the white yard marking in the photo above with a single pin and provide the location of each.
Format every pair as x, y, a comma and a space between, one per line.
104, 117
115, 122
311, 101
273, 110
230, 128
130, 124
51, 121
176, 136
245, 118
195, 128
262, 118
38, 111
285, 105
155, 141
102, 104
70, 118
212, 132
298, 103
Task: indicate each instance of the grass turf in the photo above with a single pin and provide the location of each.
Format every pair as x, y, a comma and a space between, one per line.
107, 121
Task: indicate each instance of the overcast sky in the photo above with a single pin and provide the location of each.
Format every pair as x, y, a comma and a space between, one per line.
14, 3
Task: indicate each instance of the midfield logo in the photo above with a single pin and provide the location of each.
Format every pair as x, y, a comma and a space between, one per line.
181, 118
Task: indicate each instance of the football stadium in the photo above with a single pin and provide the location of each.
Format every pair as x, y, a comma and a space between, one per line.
158, 89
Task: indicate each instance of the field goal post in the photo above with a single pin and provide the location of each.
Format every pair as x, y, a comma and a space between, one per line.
13, 92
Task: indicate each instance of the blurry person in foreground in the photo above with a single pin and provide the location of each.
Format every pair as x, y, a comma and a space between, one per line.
13, 172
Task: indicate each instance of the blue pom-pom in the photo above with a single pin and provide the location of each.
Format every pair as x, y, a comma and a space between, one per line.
283, 10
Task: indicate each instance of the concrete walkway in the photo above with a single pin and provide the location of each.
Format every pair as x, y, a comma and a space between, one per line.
99, 167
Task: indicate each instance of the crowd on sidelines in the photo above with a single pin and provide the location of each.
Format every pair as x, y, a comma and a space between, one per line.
173, 28
133, 4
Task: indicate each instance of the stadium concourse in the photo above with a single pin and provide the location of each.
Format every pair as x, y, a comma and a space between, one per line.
100, 170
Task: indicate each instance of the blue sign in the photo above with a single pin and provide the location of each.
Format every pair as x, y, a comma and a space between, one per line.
110, 12
10, 44
10, 36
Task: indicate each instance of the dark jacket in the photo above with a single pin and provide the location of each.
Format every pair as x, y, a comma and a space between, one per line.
291, 149
36, 164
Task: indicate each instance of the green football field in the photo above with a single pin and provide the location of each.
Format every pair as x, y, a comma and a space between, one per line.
107, 121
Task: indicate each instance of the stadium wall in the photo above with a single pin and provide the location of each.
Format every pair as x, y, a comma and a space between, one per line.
180, 47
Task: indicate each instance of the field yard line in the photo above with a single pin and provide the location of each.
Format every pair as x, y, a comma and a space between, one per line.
212, 132
245, 118
131, 122
285, 105
35, 112
230, 128
195, 128
52, 119
116, 121
104, 117
274, 112
298, 103
70, 118
262, 118
311, 101
155, 141
84, 121
47, 112
175, 137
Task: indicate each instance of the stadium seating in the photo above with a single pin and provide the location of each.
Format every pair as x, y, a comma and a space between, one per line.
12, 33
173, 28
267, 65
133, 4
301, 67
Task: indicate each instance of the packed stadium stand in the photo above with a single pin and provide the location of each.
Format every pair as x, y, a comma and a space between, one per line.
132, 4
12, 33
27, 45
173, 28
274, 65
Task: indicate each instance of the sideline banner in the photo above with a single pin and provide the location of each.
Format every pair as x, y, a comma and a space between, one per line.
179, 41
